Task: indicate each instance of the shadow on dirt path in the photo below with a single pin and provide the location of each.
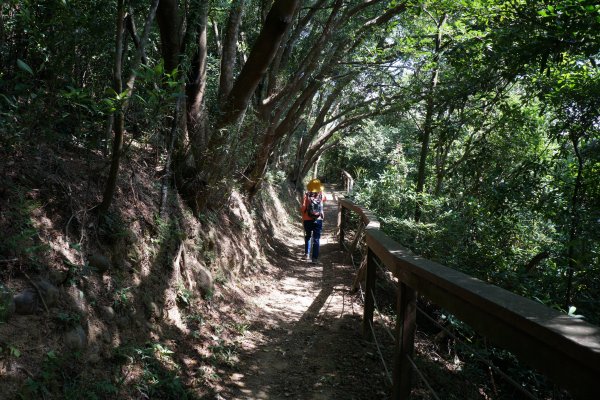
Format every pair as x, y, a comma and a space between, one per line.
305, 341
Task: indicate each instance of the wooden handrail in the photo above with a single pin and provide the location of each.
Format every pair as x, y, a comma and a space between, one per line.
564, 348
348, 181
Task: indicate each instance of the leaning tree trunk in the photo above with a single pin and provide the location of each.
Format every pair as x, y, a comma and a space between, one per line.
257, 171
276, 24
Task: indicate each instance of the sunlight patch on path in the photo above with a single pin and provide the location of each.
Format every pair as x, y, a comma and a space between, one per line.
306, 321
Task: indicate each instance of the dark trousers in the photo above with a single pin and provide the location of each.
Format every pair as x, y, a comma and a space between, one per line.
312, 229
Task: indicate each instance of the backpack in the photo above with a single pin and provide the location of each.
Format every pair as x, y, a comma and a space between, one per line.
315, 206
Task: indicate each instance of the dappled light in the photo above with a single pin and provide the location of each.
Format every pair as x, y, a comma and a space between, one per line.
318, 199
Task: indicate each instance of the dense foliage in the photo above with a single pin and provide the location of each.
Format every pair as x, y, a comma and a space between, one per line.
472, 127
511, 174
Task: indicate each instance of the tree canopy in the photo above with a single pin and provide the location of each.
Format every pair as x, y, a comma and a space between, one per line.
471, 126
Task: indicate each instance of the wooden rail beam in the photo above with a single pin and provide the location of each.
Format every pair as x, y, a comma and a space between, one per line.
564, 348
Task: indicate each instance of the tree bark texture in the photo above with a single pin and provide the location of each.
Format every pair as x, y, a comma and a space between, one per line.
196, 85
277, 22
130, 24
229, 50
428, 124
574, 223
119, 125
169, 24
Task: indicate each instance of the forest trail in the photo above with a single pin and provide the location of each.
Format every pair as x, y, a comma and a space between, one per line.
306, 341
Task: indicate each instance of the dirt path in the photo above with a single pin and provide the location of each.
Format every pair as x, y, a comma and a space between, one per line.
306, 341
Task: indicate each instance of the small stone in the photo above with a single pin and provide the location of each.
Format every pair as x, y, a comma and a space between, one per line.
127, 266
94, 358
108, 313
152, 309
26, 302
49, 292
123, 322
106, 337
203, 276
75, 339
94, 355
78, 299
130, 236
99, 262
58, 276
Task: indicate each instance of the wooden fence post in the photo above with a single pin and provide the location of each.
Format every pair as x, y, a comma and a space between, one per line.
369, 293
405, 341
341, 223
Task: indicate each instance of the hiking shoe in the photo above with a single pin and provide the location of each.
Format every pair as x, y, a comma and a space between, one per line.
314, 261
306, 256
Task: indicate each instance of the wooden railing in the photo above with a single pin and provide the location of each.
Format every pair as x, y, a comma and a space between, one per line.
348, 181
564, 348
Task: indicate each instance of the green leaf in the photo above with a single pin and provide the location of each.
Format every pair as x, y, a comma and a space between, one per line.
14, 351
11, 103
23, 65
75, 246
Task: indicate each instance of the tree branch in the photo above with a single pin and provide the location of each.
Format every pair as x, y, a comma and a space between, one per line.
229, 47
277, 22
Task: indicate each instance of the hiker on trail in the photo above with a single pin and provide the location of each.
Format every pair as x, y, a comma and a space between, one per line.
312, 215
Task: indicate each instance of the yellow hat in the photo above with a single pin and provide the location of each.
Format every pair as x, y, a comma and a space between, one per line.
314, 186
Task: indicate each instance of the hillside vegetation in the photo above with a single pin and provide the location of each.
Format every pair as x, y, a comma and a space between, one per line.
139, 143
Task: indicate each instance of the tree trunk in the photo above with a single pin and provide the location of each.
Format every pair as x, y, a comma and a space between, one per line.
229, 50
196, 86
574, 222
118, 118
316, 168
309, 163
272, 138
130, 24
119, 124
169, 24
276, 24
427, 127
